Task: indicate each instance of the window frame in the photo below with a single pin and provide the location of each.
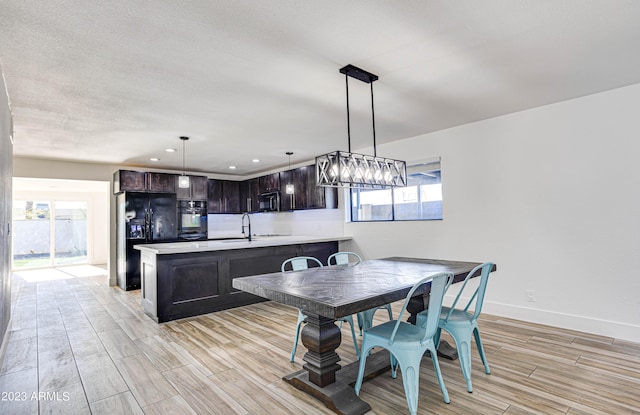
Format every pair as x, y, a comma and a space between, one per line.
426, 166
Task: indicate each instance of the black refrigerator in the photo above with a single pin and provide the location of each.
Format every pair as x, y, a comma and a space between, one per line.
142, 218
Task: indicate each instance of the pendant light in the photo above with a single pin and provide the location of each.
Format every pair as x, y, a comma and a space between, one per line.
353, 170
289, 188
183, 181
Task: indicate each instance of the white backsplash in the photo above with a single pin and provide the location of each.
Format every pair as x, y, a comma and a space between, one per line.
313, 222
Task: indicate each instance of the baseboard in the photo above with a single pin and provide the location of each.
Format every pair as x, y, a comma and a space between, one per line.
600, 327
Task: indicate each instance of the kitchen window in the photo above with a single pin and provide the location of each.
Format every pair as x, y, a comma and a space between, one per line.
421, 199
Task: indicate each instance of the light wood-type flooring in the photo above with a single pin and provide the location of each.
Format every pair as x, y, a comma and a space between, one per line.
77, 346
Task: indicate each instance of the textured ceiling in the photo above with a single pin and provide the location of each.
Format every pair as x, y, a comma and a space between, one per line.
118, 81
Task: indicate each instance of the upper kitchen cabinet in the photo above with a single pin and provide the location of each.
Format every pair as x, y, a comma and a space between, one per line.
223, 196
197, 189
309, 196
269, 183
249, 195
141, 181
161, 182
129, 181
287, 201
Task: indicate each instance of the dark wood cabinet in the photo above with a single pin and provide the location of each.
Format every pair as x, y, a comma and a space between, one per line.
188, 284
231, 192
223, 196
141, 181
197, 189
269, 183
129, 181
228, 196
309, 196
249, 193
161, 182
214, 196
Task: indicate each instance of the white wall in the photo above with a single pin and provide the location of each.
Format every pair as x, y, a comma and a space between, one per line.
552, 196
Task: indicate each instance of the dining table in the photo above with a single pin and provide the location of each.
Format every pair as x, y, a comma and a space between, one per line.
324, 294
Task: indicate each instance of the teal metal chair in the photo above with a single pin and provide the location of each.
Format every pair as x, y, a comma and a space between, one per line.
461, 324
407, 343
365, 318
301, 263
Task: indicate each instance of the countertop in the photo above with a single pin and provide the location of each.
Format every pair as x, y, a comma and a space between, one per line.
229, 244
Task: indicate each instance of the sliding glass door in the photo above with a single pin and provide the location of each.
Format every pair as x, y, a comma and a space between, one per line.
49, 233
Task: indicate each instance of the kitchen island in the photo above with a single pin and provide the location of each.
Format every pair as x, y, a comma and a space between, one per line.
184, 279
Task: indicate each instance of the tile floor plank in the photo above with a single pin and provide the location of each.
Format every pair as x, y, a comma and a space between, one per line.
120, 404
144, 380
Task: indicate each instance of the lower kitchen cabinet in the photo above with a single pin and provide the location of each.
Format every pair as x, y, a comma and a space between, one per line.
189, 284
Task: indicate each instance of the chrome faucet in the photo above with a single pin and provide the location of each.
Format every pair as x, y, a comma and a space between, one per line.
249, 225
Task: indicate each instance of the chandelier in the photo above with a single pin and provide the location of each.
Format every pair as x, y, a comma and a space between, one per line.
347, 169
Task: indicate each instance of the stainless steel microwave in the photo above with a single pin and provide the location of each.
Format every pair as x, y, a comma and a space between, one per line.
269, 202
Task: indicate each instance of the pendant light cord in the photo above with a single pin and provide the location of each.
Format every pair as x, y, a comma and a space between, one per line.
184, 173
373, 116
373, 121
346, 81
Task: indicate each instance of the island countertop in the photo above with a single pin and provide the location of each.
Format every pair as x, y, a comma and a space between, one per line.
230, 244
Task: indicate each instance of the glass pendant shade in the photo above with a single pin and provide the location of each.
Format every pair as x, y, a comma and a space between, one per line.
183, 182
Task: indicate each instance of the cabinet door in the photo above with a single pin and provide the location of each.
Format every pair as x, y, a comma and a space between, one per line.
214, 196
300, 185
316, 196
198, 187
269, 183
129, 181
161, 182
231, 196
309, 196
249, 192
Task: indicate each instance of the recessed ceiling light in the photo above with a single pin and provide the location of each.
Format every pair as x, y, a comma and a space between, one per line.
170, 150
154, 159
256, 160
232, 167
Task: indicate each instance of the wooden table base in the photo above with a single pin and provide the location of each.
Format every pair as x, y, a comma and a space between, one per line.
322, 376
340, 396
